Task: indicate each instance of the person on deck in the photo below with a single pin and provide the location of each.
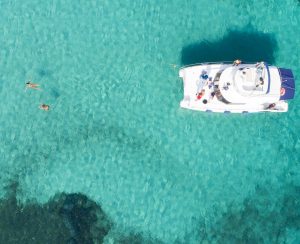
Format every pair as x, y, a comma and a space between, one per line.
237, 62
200, 94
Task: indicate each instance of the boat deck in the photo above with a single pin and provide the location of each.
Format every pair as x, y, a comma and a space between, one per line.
208, 88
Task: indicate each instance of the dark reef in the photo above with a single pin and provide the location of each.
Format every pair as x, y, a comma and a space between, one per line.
85, 220
30, 223
67, 218
248, 45
75, 219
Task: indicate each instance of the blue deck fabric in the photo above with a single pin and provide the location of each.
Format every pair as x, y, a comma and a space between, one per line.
288, 83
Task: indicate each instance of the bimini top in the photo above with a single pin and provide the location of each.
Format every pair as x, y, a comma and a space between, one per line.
287, 90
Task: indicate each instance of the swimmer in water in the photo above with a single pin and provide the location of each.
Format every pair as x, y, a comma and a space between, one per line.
44, 107
32, 86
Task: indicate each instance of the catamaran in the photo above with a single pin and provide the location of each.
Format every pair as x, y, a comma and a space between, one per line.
237, 87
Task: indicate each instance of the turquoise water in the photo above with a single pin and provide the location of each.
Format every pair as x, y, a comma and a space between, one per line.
115, 132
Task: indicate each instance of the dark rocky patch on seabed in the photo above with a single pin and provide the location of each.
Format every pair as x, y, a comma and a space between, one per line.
247, 44
85, 220
67, 218
30, 223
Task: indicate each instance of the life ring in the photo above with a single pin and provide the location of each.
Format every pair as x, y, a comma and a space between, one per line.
282, 91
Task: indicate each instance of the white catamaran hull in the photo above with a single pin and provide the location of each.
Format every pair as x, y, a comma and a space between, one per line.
243, 88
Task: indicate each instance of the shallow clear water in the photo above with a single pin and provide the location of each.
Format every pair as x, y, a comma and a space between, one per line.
115, 132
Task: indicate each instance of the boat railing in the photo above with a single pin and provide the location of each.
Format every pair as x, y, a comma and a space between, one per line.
269, 77
220, 62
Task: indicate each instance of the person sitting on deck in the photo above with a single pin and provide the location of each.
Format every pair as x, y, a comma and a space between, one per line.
261, 82
212, 95
226, 86
210, 82
271, 106
259, 64
200, 94
204, 75
237, 62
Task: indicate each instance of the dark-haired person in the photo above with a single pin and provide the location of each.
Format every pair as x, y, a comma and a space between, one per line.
44, 107
32, 85
271, 106
237, 62
200, 94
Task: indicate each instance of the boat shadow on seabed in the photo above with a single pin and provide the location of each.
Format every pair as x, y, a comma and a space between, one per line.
248, 45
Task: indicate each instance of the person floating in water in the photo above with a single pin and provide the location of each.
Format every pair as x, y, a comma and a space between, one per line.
44, 107
32, 85
237, 62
